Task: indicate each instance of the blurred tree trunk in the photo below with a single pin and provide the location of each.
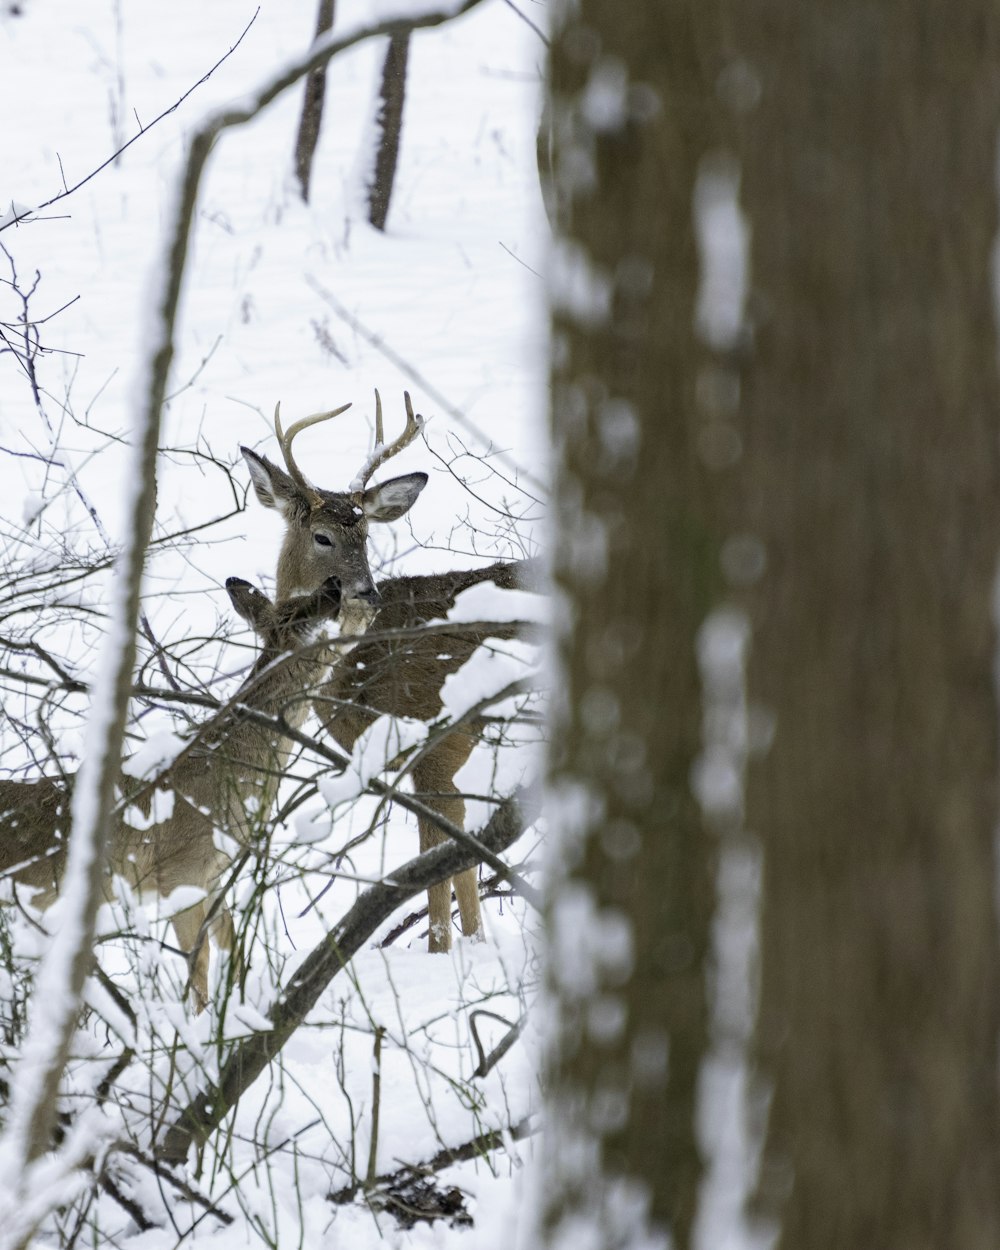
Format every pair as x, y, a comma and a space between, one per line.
311, 118
635, 564
389, 125
872, 479
848, 455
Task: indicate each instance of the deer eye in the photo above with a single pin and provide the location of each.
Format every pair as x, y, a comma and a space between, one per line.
322, 540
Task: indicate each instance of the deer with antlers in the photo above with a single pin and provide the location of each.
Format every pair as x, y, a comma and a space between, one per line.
164, 837
327, 530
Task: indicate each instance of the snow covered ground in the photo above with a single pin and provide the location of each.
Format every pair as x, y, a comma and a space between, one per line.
306, 305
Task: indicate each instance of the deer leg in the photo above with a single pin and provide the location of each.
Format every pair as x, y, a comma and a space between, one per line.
467, 894
438, 900
224, 935
187, 926
433, 777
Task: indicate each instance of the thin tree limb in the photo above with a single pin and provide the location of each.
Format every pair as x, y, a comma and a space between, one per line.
68, 960
25, 214
488, 1061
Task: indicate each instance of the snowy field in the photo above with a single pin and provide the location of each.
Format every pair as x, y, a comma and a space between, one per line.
309, 306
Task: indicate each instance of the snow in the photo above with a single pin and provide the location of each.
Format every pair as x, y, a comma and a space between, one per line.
479, 681
487, 602
387, 738
160, 747
723, 240
306, 305
605, 98
578, 287
161, 808
724, 1112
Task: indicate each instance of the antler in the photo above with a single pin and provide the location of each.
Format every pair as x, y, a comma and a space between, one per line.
285, 441
381, 453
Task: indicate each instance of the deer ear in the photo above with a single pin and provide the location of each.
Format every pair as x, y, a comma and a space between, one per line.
272, 486
388, 501
247, 600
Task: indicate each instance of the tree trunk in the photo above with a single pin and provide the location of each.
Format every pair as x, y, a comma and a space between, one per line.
311, 118
389, 124
872, 481
635, 565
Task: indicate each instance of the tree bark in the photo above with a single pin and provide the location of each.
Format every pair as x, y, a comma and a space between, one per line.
635, 570
389, 123
871, 478
311, 117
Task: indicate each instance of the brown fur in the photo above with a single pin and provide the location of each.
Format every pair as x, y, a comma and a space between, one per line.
224, 779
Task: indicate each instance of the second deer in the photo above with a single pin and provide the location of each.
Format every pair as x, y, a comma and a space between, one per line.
224, 779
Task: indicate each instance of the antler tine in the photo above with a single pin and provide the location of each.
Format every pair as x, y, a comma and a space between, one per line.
381, 453
285, 440
379, 429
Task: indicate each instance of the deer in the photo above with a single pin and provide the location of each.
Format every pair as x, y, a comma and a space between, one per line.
322, 575
224, 779
328, 530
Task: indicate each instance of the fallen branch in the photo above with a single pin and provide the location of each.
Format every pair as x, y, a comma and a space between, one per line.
445, 1158
251, 1056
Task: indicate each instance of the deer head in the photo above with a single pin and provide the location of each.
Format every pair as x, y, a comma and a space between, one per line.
284, 625
326, 532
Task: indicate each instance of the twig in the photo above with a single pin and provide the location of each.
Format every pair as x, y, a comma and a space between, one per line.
486, 1062
183, 1186
376, 1101
528, 22
128, 1205
412, 372
15, 218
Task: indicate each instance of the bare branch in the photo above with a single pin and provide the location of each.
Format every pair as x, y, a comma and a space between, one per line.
19, 215
514, 1031
407, 367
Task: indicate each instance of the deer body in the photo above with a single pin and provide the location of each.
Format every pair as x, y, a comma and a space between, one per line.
403, 677
225, 779
164, 835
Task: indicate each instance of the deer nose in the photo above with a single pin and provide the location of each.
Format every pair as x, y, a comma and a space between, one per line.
360, 590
